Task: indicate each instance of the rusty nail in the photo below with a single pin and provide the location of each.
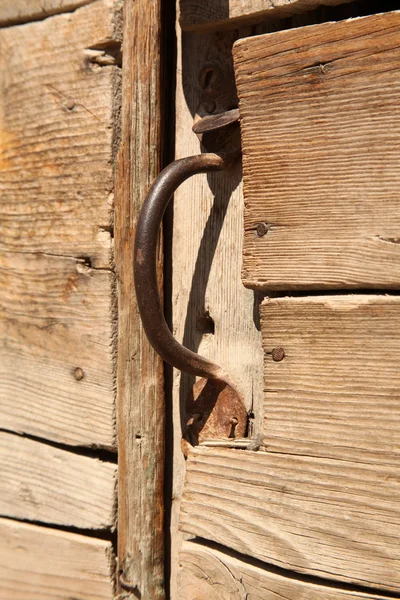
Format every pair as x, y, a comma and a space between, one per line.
262, 229
233, 421
70, 104
278, 354
78, 374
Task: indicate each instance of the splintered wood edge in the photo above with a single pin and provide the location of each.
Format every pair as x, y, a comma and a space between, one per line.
210, 574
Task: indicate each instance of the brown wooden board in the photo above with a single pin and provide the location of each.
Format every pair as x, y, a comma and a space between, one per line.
209, 574
320, 118
58, 122
336, 393
45, 484
12, 12
325, 517
140, 383
45, 564
321, 497
212, 14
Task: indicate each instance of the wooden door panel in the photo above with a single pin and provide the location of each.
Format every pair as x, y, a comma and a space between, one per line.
45, 563
321, 496
59, 82
209, 574
320, 119
336, 393
329, 518
50, 485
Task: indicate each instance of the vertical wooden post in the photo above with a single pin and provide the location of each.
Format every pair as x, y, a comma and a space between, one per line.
140, 401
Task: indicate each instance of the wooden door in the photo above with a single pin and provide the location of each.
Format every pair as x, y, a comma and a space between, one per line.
308, 505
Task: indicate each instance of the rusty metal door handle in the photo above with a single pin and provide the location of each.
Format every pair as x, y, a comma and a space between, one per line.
146, 285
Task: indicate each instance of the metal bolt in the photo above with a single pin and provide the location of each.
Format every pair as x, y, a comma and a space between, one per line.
278, 354
262, 229
79, 374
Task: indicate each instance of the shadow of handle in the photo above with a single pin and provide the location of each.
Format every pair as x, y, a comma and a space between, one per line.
145, 270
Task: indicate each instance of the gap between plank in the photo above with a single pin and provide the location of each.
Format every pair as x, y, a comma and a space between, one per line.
293, 575
102, 454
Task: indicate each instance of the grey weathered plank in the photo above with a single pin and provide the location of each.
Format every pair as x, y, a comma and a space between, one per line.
212, 312
58, 106
211, 14
209, 574
320, 118
45, 484
45, 564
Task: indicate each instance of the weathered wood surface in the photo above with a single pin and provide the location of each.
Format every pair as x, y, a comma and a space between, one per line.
320, 124
330, 518
212, 313
45, 484
322, 495
45, 564
12, 12
140, 385
336, 394
207, 14
58, 103
208, 574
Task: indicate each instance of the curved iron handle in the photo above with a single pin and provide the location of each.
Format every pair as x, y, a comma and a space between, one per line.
145, 274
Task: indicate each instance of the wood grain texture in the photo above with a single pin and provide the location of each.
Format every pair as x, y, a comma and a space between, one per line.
45, 484
55, 318
12, 12
330, 518
320, 124
58, 80
212, 14
322, 495
212, 313
58, 122
208, 574
140, 385
45, 564
336, 392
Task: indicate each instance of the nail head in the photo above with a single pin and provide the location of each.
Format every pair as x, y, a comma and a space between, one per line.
78, 374
262, 229
278, 354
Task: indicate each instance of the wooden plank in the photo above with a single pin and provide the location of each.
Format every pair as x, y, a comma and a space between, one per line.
329, 518
322, 495
45, 564
212, 14
57, 124
140, 383
338, 385
209, 574
58, 103
31, 10
212, 313
56, 375
49, 485
320, 117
